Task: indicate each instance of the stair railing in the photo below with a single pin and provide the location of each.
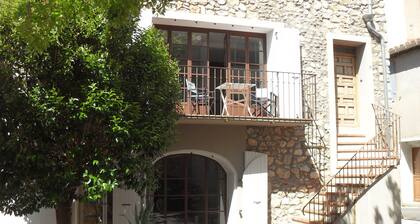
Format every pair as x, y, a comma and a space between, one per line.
360, 172
315, 143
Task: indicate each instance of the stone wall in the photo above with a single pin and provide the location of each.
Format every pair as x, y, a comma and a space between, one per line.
292, 177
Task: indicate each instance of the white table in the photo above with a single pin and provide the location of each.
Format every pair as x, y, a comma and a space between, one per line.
243, 89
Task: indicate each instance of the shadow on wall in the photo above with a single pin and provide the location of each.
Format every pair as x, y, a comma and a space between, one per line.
394, 211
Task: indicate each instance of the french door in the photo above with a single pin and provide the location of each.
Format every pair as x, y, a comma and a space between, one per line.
209, 58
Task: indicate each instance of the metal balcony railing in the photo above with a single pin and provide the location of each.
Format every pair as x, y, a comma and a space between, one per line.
239, 92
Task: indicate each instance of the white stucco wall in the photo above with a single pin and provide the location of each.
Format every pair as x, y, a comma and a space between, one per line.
380, 205
396, 22
44, 216
407, 104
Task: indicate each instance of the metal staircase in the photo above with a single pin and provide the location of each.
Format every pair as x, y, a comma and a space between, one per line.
353, 179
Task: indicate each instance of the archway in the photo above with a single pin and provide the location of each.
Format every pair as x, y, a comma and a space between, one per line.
191, 189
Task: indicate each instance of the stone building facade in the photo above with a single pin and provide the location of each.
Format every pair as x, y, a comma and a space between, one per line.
292, 175
300, 38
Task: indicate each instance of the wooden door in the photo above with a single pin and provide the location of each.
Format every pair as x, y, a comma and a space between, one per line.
416, 173
346, 90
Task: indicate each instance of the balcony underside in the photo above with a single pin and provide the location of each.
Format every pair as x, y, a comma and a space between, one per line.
241, 120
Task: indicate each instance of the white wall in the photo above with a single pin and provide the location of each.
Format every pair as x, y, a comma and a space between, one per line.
380, 205
406, 172
44, 216
396, 22
124, 202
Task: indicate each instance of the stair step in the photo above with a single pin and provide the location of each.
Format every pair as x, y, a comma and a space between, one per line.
368, 158
363, 167
356, 176
306, 221
354, 143
360, 150
330, 203
351, 135
348, 185
321, 213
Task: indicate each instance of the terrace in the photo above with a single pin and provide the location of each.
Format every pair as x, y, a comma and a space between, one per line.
244, 96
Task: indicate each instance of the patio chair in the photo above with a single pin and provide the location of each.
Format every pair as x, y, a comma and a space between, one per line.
197, 97
265, 103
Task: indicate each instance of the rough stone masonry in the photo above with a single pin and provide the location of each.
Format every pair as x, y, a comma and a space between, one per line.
292, 177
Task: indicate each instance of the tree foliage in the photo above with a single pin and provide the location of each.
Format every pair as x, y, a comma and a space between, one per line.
87, 100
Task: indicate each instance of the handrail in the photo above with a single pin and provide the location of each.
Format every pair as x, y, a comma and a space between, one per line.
356, 176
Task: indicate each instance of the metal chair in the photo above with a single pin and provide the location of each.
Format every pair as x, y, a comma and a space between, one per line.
196, 96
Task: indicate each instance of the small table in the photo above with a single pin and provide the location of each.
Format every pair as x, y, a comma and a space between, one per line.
243, 89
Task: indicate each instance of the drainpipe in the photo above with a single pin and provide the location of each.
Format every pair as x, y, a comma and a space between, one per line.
368, 19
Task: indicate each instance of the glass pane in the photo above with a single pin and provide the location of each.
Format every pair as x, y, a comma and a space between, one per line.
159, 168
215, 203
179, 51
216, 218
199, 53
237, 42
256, 44
175, 204
160, 188
196, 167
159, 205
196, 203
339, 69
196, 186
175, 187
179, 37
213, 171
175, 167
175, 218
237, 55
196, 218
217, 40
164, 34
256, 57
199, 39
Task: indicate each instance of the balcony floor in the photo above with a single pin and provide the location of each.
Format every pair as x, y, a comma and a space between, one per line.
241, 120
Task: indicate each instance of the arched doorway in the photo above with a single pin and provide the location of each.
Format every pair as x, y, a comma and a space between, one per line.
191, 189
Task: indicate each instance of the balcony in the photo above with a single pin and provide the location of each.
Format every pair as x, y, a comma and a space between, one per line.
244, 96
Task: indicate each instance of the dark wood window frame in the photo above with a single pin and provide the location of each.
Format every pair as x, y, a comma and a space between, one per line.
186, 159
228, 33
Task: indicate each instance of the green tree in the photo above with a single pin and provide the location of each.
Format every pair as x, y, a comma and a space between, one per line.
87, 101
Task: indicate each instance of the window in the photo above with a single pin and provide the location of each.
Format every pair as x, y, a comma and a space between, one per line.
208, 58
192, 189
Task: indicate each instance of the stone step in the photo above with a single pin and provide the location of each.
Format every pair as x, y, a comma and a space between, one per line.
350, 135
306, 221
362, 143
365, 167
370, 158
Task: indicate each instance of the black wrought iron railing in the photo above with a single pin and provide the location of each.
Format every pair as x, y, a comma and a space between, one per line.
239, 92
359, 173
